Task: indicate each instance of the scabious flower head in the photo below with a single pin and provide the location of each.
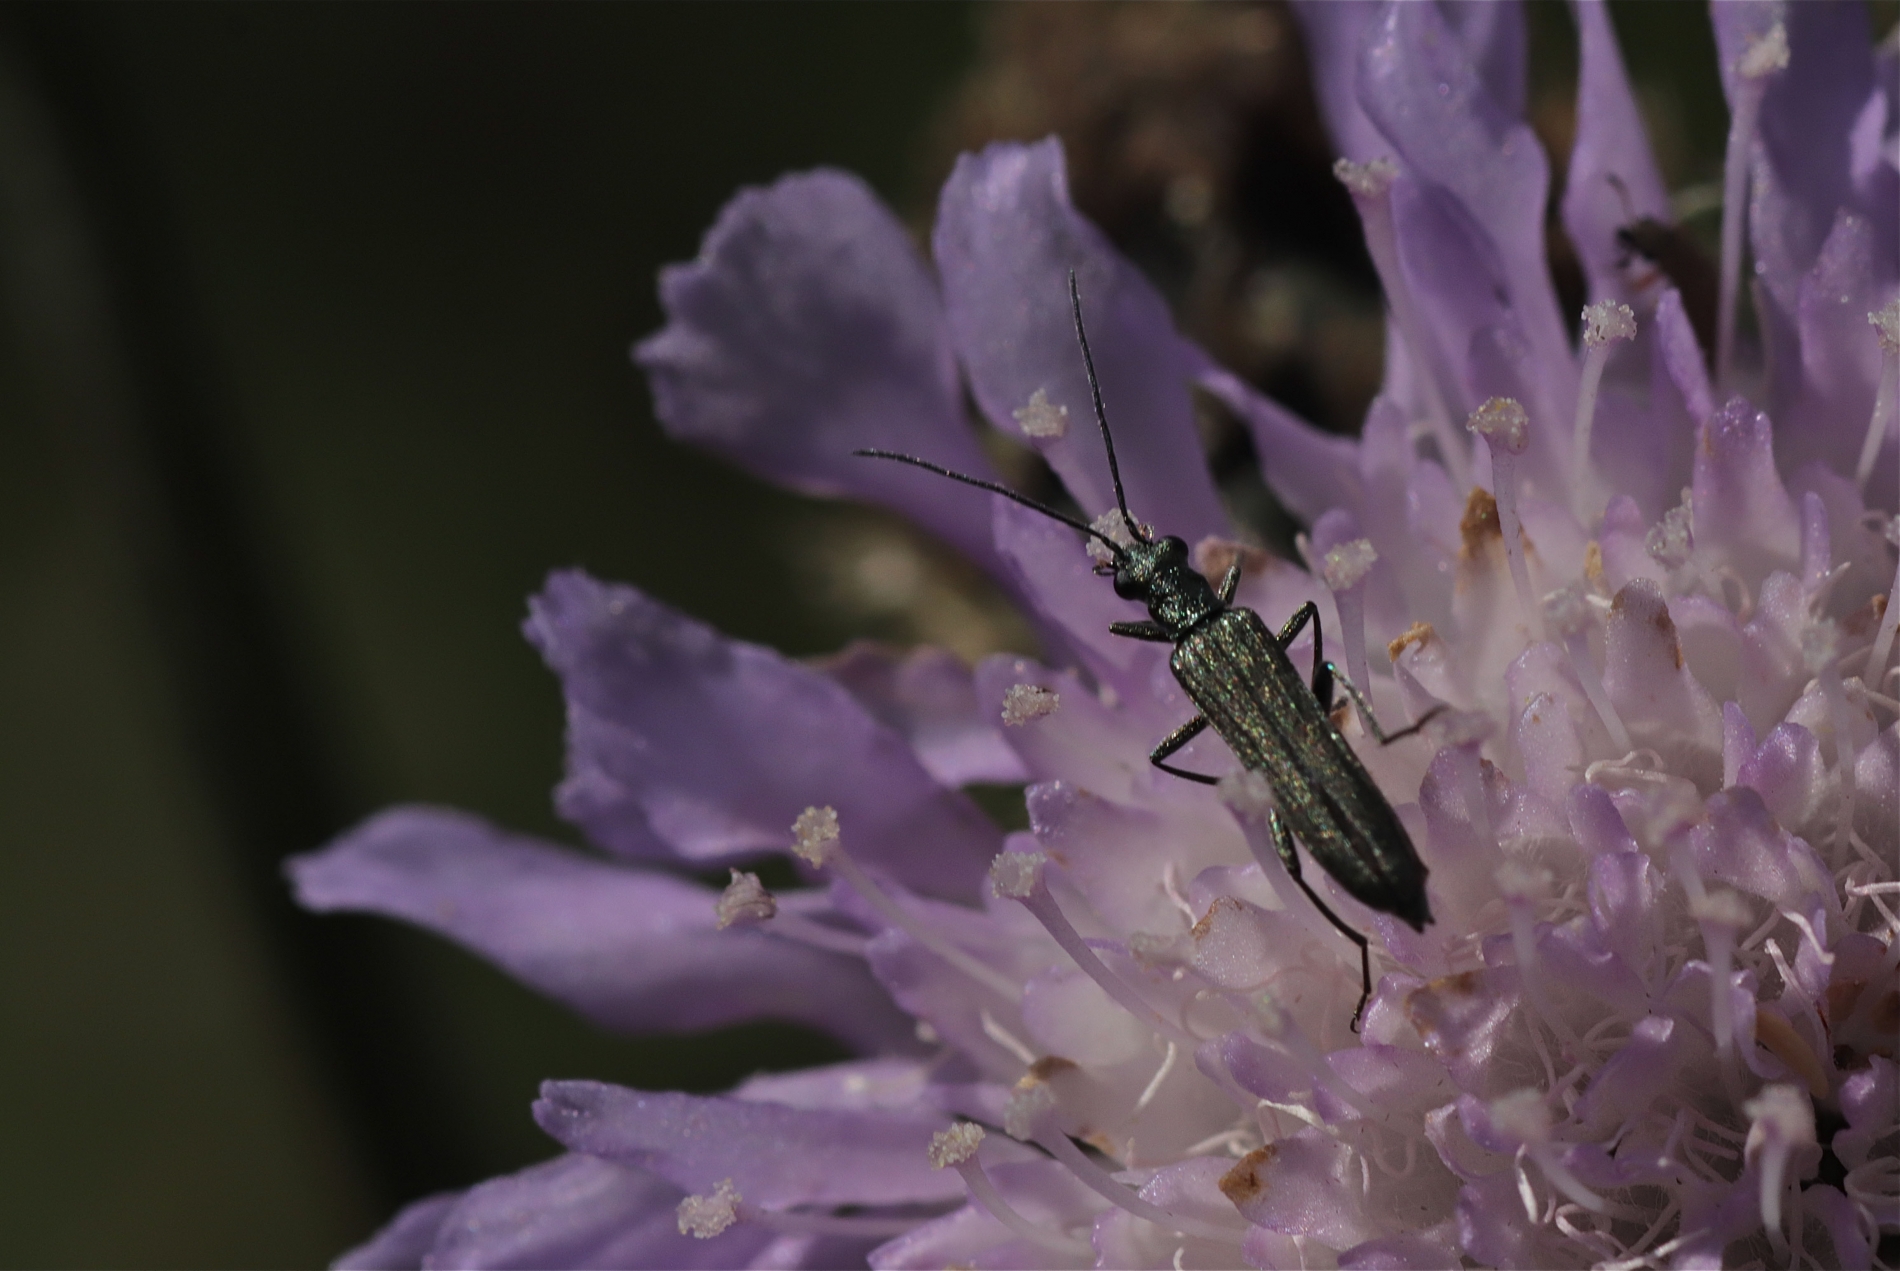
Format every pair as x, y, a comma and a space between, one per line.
1654, 1020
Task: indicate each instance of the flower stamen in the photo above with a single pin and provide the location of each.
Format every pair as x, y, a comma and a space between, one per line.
818, 843
1505, 427
1605, 323
1019, 876
1345, 569
956, 1148
1764, 56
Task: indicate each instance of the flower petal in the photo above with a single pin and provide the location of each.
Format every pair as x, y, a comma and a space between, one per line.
1840, 359
1611, 143
807, 327
1007, 238
1042, 1191
1190, 1189
1743, 515
1482, 180
631, 950
929, 697
718, 746
405, 1241
580, 1211
776, 1156
1309, 471
1808, 112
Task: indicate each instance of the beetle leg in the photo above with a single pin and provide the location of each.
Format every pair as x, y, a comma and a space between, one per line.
1283, 844
1322, 669
1173, 742
1372, 723
1230, 584
1143, 630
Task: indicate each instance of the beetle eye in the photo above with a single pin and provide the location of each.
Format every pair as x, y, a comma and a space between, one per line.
1127, 586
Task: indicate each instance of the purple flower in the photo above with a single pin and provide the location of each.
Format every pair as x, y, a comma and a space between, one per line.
1654, 1023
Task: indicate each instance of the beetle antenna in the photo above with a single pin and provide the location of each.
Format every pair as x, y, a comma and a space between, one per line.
1101, 416
996, 488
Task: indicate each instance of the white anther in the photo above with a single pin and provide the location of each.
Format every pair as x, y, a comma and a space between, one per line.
815, 835
1247, 793
955, 1145
1370, 179
1820, 645
1566, 611
1721, 907
1024, 702
1347, 565
1112, 526
744, 902
1608, 321
1671, 540
706, 1216
1765, 54
1502, 422
1042, 417
1886, 321
1013, 875
1520, 882
1523, 1115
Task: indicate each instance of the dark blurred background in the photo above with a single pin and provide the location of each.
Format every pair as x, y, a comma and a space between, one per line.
314, 363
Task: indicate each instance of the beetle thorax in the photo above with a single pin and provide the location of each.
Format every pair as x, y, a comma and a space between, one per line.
1160, 575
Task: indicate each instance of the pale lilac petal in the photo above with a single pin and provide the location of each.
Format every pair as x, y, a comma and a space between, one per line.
859, 1085
1711, 642
1654, 691
1840, 359
1497, 43
1190, 1189
1743, 515
927, 695
944, 996
405, 1241
1335, 33
720, 745
1308, 1187
1466, 1021
1611, 142
1743, 845
808, 327
1042, 1191
1632, 1078
1485, 176
1622, 537
1085, 740
1387, 460
1678, 364
1007, 237
1789, 772
632, 950
1309, 471
1599, 827
1397, 1080
1807, 119
1842, 1220
776, 1156
1492, 1230
1430, 1250
1870, 1098
579, 1211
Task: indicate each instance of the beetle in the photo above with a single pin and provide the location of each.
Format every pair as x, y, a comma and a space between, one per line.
1236, 671
1678, 258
